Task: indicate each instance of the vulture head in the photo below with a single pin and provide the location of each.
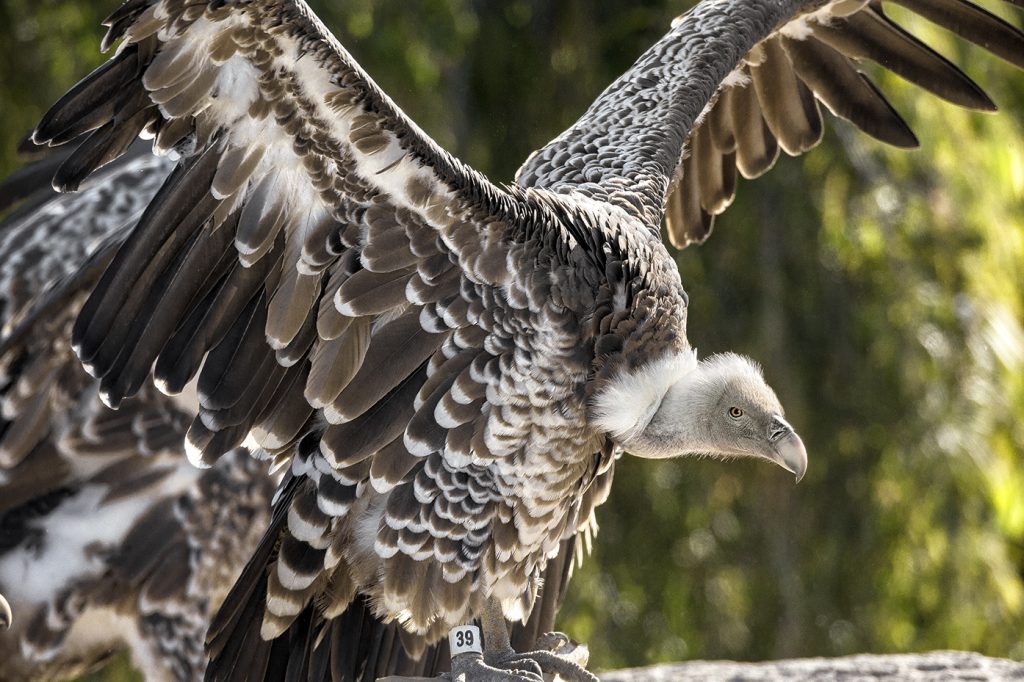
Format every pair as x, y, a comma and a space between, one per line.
719, 406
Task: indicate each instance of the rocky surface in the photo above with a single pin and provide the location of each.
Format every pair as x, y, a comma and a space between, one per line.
938, 665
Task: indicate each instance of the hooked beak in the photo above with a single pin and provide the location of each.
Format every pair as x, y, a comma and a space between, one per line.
6, 617
787, 449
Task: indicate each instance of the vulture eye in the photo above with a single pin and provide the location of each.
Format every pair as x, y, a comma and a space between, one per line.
735, 412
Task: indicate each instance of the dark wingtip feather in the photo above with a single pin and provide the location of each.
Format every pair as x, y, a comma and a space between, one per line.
897, 132
870, 34
204, 447
974, 24
99, 149
847, 92
155, 239
27, 146
90, 103
120, 20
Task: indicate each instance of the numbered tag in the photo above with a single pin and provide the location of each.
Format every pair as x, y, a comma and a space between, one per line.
464, 639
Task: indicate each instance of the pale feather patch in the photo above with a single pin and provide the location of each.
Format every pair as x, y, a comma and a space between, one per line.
194, 452
799, 29
332, 508
416, 447
83, 522
624, 406
302, 529
285, 603
513, 610
103, 628
739, 370
237, 87
803, 26
187, 400
251, 444
293, 580
384, 551
369, 514
736, 79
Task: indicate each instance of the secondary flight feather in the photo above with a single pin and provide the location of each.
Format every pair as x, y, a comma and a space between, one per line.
446, 366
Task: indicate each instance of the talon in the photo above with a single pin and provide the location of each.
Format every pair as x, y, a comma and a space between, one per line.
560, 666
563, 646
553, 641
6, 616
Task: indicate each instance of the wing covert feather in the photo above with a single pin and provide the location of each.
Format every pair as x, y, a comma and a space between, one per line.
814, 59
757, 89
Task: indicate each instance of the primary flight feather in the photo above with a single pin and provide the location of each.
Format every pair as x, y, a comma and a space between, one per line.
447, 367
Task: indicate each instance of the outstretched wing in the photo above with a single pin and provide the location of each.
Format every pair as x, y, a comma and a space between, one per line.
733, 83
109, 539
305, 208
345, 294
53, 248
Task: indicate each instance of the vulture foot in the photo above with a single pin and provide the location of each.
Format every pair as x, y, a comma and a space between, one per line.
554, 665
557, 656
531, 666
513, 668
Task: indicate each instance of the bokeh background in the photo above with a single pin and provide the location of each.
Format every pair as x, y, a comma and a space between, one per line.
881, 290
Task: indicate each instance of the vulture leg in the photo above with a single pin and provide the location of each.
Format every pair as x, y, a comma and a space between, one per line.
501, 663
6, 617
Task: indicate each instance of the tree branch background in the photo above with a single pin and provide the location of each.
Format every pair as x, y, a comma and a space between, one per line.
880, 289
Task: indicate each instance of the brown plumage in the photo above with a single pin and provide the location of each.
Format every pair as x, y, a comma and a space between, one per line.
109, 539
472, 357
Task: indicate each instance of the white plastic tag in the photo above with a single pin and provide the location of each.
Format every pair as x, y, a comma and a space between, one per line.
464, 639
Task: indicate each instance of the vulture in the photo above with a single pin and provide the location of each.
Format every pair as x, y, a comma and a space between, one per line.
109, 538
444, 369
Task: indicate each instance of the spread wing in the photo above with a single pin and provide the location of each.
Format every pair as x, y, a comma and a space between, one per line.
109, 539
734, 83
53, 248
305, 209
347, 296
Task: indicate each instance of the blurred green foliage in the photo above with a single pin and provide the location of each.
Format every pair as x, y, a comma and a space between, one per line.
880, 289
